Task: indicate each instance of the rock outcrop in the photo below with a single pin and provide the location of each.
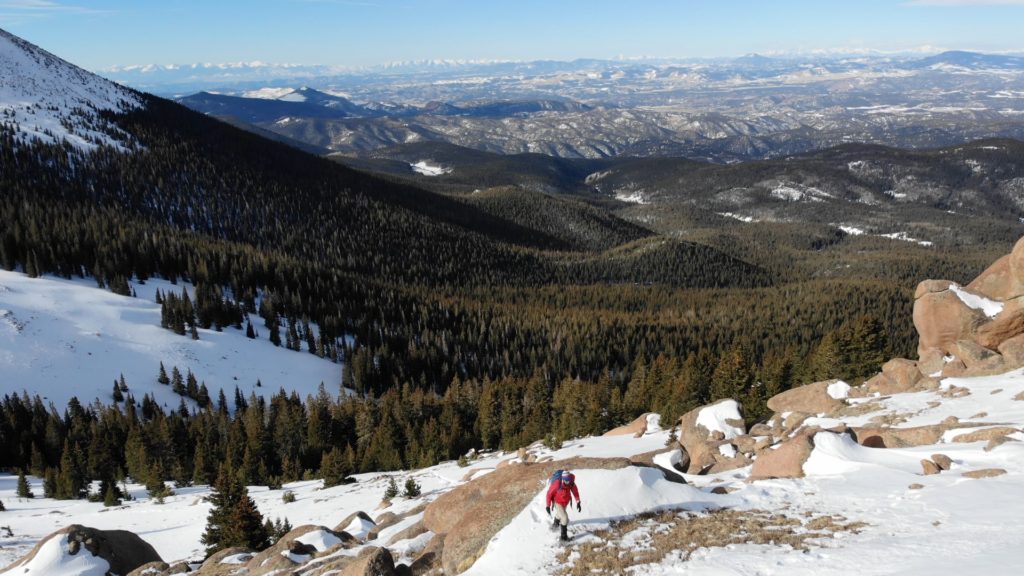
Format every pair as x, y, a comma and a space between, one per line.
123, 551
704, 447
974, 330
636, 428
785, 460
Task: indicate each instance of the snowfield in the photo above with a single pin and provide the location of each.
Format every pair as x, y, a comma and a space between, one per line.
63, 338
915, 524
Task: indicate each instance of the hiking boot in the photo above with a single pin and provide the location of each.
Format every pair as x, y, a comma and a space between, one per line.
565, 534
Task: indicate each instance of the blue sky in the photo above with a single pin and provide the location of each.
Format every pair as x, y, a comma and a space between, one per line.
98, 34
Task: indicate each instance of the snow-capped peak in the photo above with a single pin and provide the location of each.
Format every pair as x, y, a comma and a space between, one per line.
45, 97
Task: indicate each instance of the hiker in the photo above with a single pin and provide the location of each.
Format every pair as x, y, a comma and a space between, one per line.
561, 492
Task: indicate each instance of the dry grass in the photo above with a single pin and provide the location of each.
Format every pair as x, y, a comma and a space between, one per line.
649, 538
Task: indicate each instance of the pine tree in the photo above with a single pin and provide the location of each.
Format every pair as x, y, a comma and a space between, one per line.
234, 519
162, 378
23, 488
110, 496
70, 484
412, 488
392, 489
117, 395
333, 467
177, 382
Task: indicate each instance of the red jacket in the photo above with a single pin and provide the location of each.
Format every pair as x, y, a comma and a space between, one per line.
562, 493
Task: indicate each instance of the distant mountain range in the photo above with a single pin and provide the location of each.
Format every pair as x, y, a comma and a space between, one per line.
722, 111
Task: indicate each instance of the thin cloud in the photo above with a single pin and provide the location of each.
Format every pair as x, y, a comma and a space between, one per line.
42, 8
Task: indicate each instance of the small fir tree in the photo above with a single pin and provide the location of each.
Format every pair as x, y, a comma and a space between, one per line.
23, 489
412, 488
392, 489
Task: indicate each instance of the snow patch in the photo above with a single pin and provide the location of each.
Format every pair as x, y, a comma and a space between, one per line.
633, 198
852, 231
839, 390
989, 308
55, 557
320, 539
715, 417
425, 168
906, 238
360, 528
740, 217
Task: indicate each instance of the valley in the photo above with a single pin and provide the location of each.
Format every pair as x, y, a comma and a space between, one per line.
306, 319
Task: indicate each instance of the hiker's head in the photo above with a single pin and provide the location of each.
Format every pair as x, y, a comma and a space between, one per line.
567, 477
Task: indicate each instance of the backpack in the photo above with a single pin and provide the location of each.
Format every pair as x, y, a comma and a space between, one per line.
556, 477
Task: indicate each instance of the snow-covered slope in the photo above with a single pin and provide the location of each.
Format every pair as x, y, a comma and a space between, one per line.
53, 100
63, 338
936, 524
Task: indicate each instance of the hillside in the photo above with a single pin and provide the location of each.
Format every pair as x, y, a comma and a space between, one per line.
54, 332
922, 463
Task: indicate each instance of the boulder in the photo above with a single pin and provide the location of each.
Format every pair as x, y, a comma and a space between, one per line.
672, 474
1012, 351
985, 434
411, 532
944, 462
809, 399
122, 550
372, 561
984, 473
429, 559
929, 467
1017, 268
344, 524
636, 428
471, 514
881, 437
997, 442
997, 282
698, 441
760, 429
903, 374
213, 564
978, 360
1007, 324
941, 317
930, 361
151, 569
785, 461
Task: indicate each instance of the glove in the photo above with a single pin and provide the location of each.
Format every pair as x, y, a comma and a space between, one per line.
548, 510
579, 506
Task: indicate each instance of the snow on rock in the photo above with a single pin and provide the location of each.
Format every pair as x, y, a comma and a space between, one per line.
851, 230
62, 338
715, 416
359, 528
54, 557
990, 308
669, 460
839, 390
527, 545
321, 539
53, 100
425, 168
653, 423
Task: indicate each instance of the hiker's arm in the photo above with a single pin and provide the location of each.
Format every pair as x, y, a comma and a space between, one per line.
575, 491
